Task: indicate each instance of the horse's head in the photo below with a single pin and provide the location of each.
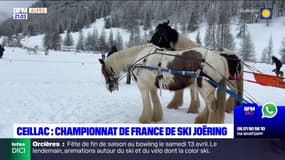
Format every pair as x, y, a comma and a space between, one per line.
110, 77
164, 36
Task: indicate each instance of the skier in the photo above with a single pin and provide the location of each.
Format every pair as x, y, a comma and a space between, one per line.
278, 66
1, 51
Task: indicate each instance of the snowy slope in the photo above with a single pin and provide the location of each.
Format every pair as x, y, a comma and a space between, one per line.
65, 87
99, 25
260, 35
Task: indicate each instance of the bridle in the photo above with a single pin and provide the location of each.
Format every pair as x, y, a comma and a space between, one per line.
110, 79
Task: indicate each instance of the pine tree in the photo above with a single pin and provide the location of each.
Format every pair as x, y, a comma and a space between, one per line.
137, 36
147, 21
243, 17
119, 41
282, 50
224, 37
56, 40
115, 20
184, 28
111, 39
52, 40
95, 40
131, 39
247, 48
18, 41
268, 52
130, 17
265, 57
68, 40
145, 38
91, 42
198, 39
210, 36
88, 42
102, 41
108, 23
229, 41
30, 29
4, 41
60, 29
80, 45
48, 41
193, 23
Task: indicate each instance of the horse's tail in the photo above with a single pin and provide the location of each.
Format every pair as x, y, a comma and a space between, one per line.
221, 95
221, 99
240, 83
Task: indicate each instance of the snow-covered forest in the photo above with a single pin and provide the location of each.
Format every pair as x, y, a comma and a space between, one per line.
139, 19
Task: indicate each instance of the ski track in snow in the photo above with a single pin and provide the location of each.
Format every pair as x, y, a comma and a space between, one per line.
46, 92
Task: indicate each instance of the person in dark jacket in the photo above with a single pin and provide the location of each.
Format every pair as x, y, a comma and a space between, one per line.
278, 66
1, 51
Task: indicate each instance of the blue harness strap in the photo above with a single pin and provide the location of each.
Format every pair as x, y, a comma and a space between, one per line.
194, 75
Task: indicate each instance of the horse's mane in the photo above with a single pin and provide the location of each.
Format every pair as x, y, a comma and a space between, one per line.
120, 59
185, 43
226, 51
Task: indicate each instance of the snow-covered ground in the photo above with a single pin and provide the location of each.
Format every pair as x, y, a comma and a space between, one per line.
65, 87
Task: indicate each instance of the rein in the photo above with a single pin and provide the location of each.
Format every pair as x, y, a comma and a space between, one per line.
134, 64
186, 73
195, 75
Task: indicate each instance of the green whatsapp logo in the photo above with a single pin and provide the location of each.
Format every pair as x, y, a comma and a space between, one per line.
269, 110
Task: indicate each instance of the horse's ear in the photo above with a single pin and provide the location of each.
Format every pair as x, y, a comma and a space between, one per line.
167, 22
101, 61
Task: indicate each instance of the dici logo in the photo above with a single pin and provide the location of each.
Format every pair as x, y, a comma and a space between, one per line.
269, 110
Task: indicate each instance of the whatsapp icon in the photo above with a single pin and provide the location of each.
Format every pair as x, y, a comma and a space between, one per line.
269, 110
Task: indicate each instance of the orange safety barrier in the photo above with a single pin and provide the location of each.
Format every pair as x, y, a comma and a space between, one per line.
269, 80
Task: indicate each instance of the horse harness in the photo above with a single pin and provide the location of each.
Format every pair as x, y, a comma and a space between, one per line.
197, 75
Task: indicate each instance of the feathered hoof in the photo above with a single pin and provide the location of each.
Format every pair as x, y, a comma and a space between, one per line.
229, 109
201, 119
173, 105
157, 118
192, 109
230, 105
145, 120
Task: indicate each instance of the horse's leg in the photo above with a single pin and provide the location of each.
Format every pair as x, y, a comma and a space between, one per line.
195, 102
146, 115
230, 103
217, 107
203, 116
240, 86
177, 100
157, 109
